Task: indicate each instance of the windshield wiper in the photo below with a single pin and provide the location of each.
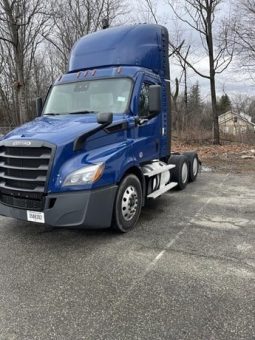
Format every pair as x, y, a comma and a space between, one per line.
81, 112
71, 113
52, 114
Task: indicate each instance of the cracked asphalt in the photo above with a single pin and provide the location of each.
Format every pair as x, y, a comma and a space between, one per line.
187, 271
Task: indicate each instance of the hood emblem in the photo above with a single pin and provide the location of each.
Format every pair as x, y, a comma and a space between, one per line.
21, 143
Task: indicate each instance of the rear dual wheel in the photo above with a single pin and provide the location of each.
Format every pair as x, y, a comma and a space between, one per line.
180, 174
186, 168
193, 165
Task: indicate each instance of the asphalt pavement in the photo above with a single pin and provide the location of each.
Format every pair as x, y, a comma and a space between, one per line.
187, 271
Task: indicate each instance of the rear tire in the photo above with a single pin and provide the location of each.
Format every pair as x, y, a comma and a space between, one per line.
128, 204
193, 165
180, 173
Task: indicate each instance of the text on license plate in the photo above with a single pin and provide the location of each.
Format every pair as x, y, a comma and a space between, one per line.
35, 216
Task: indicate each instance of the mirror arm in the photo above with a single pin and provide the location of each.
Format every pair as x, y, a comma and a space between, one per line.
101, 117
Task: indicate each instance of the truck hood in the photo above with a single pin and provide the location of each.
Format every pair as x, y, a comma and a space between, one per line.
58, 130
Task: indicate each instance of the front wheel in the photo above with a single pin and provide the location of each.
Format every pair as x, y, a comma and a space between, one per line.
128, 204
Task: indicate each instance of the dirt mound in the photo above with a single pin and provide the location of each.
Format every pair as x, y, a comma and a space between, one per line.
236, 157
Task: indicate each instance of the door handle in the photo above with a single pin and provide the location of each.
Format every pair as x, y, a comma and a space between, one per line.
141, 121
157, 145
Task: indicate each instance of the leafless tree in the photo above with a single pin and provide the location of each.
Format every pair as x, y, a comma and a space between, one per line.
73, 19
146, 11
244, 31
182, 58
242, 103
22, 23
180, 112
8, 97
200, 16
36, 37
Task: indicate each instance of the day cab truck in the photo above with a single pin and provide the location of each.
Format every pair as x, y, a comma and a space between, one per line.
101, 144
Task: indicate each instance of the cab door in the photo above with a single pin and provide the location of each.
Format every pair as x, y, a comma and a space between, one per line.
148, 126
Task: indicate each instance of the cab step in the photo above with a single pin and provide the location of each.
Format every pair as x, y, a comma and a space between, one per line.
162, 190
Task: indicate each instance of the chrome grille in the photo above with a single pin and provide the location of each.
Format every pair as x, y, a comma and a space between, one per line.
24, 172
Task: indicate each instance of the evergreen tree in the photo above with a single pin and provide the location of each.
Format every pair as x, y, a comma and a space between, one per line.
224, 104
195, 107
251, 109
194, 99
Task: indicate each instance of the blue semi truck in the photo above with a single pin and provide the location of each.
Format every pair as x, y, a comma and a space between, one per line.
101, 144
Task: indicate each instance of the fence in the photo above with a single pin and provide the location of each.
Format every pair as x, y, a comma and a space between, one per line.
5, 129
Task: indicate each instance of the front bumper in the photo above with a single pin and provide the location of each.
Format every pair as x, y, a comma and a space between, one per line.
73, 209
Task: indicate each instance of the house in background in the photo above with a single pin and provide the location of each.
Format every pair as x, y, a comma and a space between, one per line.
236, 124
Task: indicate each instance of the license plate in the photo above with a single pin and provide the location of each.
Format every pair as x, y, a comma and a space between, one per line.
35, 216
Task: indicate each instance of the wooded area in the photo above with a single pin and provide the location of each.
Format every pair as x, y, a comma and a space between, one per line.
36, 37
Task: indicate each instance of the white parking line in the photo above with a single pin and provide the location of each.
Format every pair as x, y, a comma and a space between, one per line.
151, 266
153, 263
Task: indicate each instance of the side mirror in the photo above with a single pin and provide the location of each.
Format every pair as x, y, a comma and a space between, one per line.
104, 118
154, 98
39, 106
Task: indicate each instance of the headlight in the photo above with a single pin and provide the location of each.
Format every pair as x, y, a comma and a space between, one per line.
86, 175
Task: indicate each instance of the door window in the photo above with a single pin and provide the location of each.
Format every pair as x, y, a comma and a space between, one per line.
144, 101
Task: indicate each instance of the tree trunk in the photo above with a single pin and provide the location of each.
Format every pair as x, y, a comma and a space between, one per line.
185, 96
176, 124
21, 94
209, 38
216, 135
20, 88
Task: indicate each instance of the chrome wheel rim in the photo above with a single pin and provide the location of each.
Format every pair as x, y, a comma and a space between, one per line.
195, 166
184, 172
129, 203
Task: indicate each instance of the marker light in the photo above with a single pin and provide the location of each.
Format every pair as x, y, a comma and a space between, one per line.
86, 175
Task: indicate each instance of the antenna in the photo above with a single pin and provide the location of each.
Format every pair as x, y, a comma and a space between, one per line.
105, 23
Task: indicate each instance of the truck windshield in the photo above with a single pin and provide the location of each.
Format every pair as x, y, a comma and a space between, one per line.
104, 95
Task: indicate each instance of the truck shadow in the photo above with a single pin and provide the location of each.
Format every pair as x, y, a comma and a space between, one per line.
150, 211
154, 208
31, 233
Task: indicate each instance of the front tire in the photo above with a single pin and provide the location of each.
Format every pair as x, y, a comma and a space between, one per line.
128, 204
